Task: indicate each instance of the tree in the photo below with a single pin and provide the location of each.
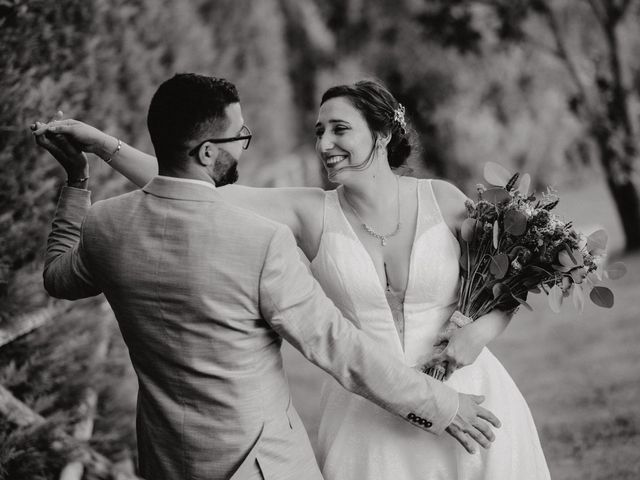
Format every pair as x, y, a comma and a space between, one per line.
593, 42
382, 39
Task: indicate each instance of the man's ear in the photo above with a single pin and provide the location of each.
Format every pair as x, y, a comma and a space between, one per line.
207, 154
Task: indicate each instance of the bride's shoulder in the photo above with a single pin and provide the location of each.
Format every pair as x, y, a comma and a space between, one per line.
311, 216
309, 200
447, 193
451, 201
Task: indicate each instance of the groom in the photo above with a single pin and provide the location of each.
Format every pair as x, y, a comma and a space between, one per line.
204, 291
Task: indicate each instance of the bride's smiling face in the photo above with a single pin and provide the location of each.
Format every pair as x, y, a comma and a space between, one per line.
343, 138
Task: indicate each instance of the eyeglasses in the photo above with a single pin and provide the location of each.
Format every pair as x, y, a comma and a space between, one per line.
244, 136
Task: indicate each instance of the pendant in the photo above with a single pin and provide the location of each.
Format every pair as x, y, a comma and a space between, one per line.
384, 241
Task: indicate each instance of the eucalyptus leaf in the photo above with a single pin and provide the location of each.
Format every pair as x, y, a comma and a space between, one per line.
525, 183
615, 270
496, 174
555, 298
597, 242
566, 259
563, 269
601, 296
535, 289
523, 303
515, 222
499, 265
468, 229
496, 195
499, 289
578, 298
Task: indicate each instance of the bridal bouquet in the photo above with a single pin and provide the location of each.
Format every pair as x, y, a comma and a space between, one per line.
512, 244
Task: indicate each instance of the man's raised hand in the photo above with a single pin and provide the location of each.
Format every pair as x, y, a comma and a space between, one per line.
84, 136
69, 155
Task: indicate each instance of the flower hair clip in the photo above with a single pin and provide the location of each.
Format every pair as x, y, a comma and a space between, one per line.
398, 117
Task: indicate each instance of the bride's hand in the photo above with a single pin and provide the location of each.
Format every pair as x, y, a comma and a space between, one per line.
462, 348
86, 137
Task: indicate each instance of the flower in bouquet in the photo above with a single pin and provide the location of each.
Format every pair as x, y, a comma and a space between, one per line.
512, 244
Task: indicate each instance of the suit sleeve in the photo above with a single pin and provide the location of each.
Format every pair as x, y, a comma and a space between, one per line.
296, 307
65, 272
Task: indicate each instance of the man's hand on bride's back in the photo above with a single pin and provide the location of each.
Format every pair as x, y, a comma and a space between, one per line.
82, 135
473, 423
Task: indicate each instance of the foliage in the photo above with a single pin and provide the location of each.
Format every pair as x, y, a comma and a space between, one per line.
594, 43
513, 244
382, 39
49, 371
531, 83
101, 61
65, 55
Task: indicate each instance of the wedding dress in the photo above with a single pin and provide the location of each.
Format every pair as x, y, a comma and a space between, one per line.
359, 440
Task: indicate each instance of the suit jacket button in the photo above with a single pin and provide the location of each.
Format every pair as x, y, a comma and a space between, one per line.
411, 416
428, 424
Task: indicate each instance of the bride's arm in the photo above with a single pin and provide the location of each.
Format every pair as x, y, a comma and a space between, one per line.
466, 343
301, 209
137, 166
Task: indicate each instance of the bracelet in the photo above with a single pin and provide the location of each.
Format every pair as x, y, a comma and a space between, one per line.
79, 180
115, 152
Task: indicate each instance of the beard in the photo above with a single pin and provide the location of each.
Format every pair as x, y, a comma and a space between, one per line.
225, 169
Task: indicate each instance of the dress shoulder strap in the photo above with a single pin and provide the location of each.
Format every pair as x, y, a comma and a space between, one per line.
332, 213
430, 210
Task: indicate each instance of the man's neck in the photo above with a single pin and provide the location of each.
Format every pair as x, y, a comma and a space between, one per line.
188, 174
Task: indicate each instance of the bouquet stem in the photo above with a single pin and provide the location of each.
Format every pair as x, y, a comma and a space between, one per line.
457, 320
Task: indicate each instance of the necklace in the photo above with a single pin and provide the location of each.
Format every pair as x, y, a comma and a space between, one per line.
371, 231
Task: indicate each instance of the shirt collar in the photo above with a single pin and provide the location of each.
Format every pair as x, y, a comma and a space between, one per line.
190, 180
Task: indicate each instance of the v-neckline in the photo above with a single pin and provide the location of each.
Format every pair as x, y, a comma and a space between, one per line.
368, 255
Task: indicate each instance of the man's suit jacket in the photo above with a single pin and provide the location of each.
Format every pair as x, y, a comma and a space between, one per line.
203, 291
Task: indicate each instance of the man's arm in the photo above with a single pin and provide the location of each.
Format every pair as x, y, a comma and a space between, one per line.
295, 306
65, 272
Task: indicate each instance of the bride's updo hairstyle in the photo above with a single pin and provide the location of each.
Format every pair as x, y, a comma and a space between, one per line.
383, 113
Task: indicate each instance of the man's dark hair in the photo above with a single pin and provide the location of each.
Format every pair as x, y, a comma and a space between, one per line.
185, 108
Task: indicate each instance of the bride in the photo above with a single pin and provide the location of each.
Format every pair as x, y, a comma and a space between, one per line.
384, 249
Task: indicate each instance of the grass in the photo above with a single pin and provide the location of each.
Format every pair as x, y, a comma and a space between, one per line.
579, 373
